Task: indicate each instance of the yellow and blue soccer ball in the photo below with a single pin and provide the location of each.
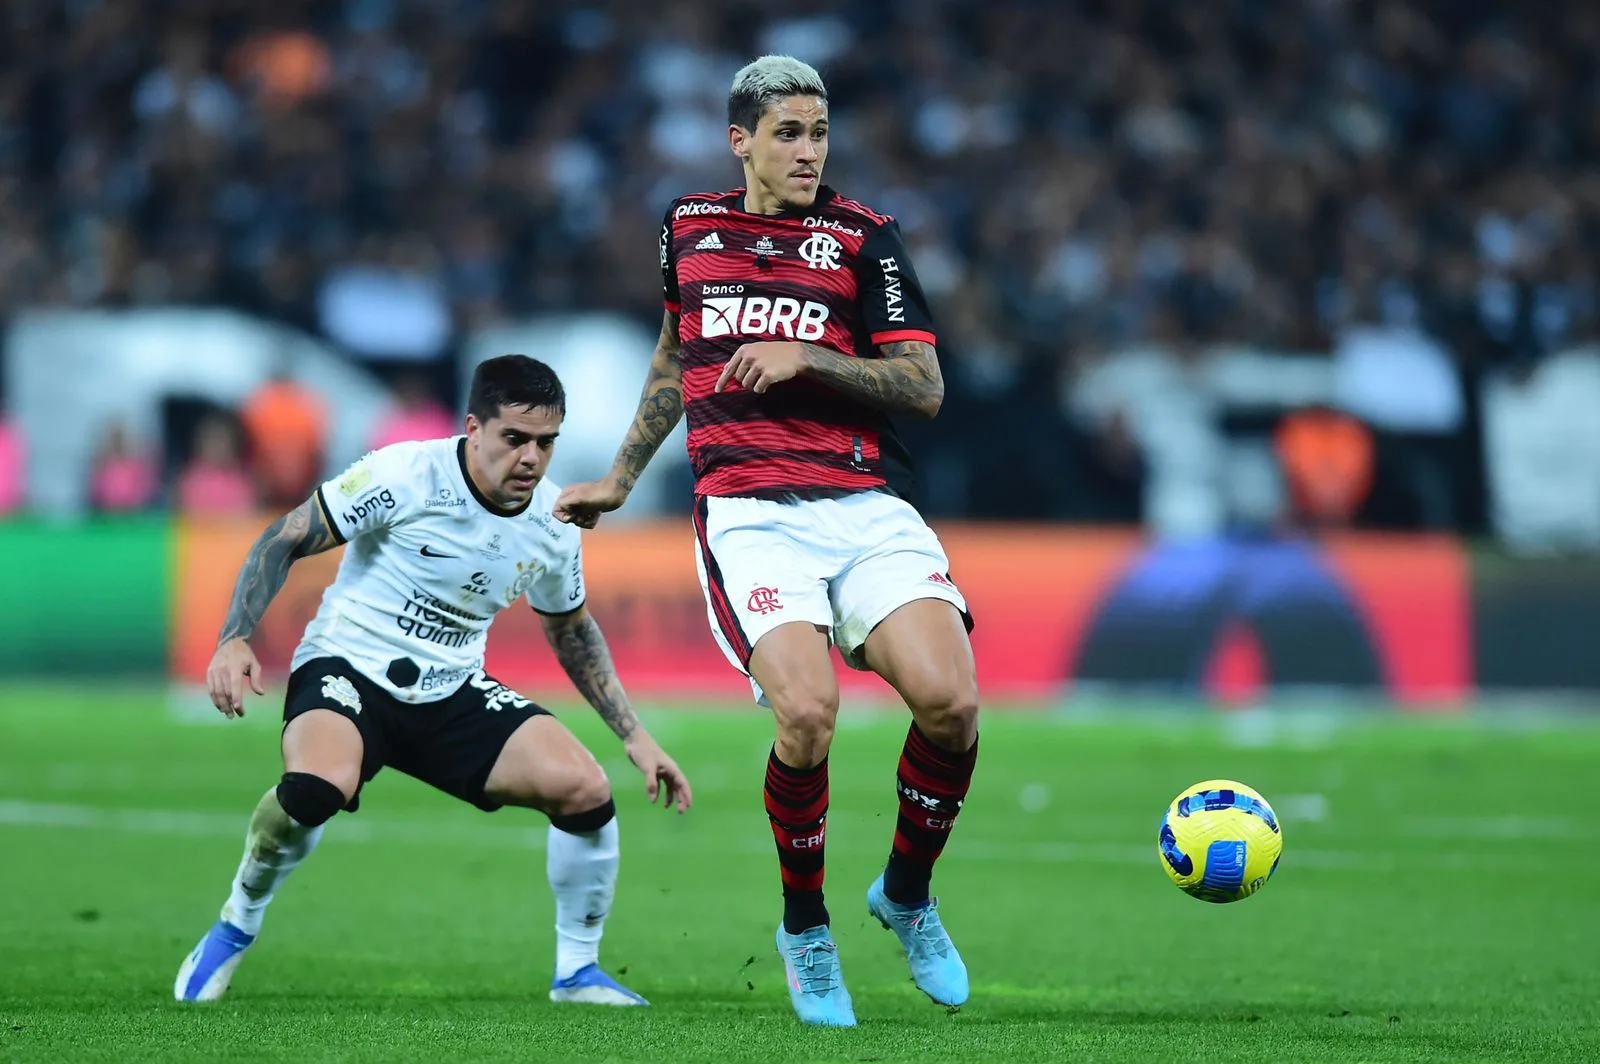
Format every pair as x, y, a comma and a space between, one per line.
1220, 841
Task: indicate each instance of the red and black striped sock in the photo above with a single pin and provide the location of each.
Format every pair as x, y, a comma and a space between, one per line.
797, 805
932, 782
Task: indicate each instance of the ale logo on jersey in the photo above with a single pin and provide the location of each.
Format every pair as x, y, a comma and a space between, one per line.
760, 316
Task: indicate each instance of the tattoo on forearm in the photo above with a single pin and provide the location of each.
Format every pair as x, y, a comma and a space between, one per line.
581, 648
905, 378
300, 532
660, 407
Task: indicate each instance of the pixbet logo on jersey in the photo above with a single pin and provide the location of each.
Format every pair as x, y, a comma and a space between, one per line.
760, 316
689, 210
814, 222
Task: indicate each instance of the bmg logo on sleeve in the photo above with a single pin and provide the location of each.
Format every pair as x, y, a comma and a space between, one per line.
369, 504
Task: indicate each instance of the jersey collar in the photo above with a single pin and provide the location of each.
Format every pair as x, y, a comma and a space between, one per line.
466, 477
825, 196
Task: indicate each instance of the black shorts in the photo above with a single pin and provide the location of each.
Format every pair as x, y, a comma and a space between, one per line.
451, 743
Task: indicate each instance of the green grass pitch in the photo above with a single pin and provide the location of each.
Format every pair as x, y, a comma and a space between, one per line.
1437, 899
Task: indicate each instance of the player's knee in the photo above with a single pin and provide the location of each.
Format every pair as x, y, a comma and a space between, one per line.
312, 800
586, 807
948, 715
585, 797
805, 726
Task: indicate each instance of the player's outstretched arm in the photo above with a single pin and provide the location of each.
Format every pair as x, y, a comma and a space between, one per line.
581, 648
903, 379
660, 408
301, 532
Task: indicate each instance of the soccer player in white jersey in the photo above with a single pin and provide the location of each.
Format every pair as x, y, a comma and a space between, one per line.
440, 536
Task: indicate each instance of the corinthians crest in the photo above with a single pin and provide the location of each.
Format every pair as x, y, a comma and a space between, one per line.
525, 578
342, 691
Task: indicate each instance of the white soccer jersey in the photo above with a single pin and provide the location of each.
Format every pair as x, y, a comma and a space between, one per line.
427, 566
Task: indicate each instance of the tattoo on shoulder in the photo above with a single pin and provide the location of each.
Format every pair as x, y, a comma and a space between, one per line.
908, 349
308, 524
299, 533
669, 341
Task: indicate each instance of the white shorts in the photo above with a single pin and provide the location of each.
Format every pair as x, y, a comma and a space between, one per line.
841, 564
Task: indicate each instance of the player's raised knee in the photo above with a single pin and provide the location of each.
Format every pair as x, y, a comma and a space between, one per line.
948, 714
311, 800
805, 725
586, 794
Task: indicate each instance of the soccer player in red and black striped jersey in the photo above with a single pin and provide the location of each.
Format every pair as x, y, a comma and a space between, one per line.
794, 329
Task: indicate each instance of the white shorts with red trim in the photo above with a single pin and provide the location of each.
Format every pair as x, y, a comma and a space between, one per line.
841, 564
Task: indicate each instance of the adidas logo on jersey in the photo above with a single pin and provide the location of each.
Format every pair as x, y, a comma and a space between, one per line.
709, 242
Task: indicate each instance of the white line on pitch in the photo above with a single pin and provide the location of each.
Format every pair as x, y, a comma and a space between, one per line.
211, 824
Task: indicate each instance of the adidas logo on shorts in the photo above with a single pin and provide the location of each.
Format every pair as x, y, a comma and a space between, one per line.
710, 242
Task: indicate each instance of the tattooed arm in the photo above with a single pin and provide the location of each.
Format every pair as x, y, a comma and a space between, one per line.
299, 533
660, 407
581, 649
905, 378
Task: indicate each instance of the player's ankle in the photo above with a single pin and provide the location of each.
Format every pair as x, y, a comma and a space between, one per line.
905, 885
803, 910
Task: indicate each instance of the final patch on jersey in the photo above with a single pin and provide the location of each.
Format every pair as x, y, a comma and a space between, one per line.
352, 483
342, 691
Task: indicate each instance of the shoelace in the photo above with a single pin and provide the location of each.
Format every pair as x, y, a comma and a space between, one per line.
929, 930
805, 960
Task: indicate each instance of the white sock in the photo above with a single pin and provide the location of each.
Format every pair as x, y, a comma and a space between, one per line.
583, 877
274, 845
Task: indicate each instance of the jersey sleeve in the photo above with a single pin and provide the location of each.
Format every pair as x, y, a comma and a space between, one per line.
669, 263
368, 496
560, 589
893, 306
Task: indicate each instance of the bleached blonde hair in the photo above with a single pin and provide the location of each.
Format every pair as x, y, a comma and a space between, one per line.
760, 84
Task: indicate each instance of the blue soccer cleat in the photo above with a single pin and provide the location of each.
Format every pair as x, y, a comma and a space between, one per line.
816, 985
206, 972
591, 986
935, 965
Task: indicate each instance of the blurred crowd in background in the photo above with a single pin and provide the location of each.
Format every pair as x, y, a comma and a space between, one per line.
1405, 190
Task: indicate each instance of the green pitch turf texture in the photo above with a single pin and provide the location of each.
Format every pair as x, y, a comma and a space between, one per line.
1437, 899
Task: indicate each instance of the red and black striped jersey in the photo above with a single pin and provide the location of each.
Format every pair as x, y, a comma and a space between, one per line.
836, 275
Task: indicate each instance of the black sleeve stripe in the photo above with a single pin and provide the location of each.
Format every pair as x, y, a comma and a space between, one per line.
563, 613
327, 515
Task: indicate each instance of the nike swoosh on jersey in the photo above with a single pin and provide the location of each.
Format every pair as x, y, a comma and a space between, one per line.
429, 553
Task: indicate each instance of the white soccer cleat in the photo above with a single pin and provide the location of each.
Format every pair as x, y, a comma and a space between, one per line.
206, 972
591, 986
